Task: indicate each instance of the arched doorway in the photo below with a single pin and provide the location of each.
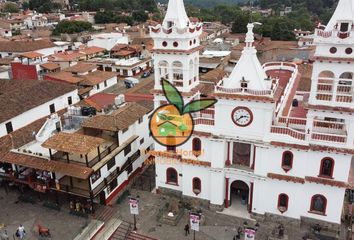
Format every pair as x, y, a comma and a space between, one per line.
239, 195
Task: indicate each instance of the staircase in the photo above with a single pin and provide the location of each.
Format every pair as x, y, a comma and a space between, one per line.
104, 214
125, 232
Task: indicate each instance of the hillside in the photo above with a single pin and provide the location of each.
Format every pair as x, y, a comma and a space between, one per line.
208, 3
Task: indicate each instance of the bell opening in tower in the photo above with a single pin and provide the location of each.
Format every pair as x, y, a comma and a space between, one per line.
241, 154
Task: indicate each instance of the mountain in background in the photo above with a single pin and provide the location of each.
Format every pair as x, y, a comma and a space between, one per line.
207, 3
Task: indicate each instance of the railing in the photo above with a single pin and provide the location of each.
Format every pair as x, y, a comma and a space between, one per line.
245, 91
329, 137
328, 126
289, 121
201, 121
322, 33
288, 131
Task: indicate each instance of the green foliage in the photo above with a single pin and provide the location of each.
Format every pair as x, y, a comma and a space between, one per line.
111, 17
11, 7
117, 5
140, 16
72, 27
43, 6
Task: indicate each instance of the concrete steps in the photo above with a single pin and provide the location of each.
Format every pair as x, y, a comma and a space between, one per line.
90, 230
124, 232
108, 230
104, 213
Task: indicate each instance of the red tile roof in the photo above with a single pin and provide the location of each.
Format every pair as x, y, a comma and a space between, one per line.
100, 101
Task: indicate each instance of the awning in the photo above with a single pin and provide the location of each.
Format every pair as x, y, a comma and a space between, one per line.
72, 170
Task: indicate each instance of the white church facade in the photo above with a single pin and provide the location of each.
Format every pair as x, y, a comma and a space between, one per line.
261, 150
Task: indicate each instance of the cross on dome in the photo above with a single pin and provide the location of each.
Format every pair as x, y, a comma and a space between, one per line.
248, 69
176, 15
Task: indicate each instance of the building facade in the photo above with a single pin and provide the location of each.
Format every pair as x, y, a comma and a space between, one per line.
263, 149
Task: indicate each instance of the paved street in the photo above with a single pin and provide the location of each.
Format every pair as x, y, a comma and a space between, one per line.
62, 225
216, 225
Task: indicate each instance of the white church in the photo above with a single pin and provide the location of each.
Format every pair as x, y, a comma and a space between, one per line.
266, 149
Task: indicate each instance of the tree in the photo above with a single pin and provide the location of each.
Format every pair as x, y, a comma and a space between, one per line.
71, 27
241, 20
281, 31
11, 7
140, 16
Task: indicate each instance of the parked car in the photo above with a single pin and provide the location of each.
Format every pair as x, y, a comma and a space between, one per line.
130, 82
146, 74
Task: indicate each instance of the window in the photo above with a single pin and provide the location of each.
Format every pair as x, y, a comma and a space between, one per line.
124, 130
171, 176
171, 148
197, 185
112, 185
140, 120
318, 204
326, 169
333, 50
196, 147
111, 163
130, 168
141, 141
283, 201
287, 161
164, 44
244, 85
97, 86
52, 108
127, 150
175, 44
344, 27
105, 83
95, 176
348, 50
70, 100
9, 127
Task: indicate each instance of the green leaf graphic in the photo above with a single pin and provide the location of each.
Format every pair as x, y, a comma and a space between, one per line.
172, 95
196, 106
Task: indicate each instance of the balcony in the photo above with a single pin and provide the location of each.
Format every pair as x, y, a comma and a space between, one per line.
322, 130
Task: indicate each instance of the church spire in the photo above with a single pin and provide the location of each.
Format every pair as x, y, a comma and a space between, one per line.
248, 71
343, 13
176, 15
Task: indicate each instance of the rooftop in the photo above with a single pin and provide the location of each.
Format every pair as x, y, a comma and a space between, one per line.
81, 68
24, 46
19, 96
72, 170
73, 143
119, 119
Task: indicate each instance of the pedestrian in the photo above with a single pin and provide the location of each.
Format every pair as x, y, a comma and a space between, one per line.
186, 229
21, 232
4, 236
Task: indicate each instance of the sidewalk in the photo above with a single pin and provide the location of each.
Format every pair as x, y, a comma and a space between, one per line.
62, 225
216, 226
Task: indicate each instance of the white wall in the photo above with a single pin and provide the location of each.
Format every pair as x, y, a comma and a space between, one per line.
265, 199
39, 112
110, 82
305, 163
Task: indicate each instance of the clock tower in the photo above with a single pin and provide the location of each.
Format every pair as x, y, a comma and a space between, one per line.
245, 99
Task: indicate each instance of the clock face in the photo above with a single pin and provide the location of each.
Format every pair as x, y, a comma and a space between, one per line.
242, 116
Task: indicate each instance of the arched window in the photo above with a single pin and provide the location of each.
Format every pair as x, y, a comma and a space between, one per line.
326, 74
171, 176
283, 201
326, 169
163, 69
177, 69
196, 147
196, 185
318, 204
287, 161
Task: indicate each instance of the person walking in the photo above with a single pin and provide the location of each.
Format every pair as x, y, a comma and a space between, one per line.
21, 232
186, 229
